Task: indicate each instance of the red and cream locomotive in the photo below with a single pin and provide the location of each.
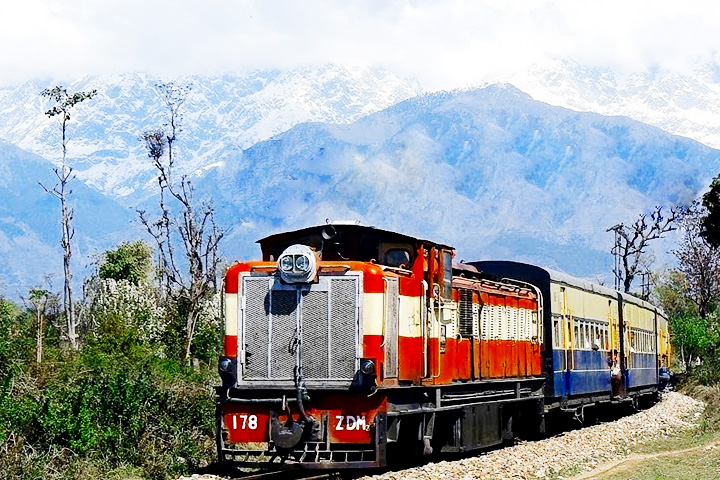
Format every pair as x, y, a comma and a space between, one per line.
348, 343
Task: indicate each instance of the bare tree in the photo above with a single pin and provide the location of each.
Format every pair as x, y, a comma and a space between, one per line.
699, 261
631, 242
64, 102
43, 305
199, 234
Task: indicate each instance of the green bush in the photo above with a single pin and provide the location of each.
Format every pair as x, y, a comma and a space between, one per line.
106, 410
127, 403
131, 261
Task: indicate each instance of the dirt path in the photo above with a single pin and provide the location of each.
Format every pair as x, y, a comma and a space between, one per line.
623, 465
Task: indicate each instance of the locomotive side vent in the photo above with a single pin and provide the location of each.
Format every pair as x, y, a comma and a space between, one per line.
315, 325
466, 313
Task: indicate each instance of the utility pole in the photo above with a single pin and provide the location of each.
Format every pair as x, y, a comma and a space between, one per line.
645, 284
617, 268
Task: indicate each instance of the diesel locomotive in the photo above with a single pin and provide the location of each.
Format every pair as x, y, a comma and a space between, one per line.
349, 346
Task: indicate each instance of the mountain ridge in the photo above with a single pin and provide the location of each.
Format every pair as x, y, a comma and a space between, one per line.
491, 170
103, 136
549, 173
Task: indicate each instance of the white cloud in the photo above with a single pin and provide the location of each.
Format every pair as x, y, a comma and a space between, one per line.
444, 44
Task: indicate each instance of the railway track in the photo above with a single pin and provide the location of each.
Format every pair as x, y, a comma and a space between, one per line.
290, 475
287, 475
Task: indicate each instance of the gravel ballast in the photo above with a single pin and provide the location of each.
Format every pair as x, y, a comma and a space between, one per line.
576, 451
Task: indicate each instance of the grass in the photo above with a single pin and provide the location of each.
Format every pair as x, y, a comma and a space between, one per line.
700, 464
691, 455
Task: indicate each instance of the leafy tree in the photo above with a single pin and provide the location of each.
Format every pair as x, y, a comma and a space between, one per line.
699, 261
64, 102
199, 235
631, 242
710, 228
131, 261
121, 301
671, 293
43, 305
692, 337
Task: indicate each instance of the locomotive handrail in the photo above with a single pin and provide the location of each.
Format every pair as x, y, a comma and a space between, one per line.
404, 271
424, 310
385, 284
258, 400
439, 309
264, 268
334, 268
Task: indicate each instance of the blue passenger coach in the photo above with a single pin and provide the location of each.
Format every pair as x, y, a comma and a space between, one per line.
602, 346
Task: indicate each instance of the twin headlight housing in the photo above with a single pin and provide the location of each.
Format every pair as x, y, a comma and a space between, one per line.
298, 264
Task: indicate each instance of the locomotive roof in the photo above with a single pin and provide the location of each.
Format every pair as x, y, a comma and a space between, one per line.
352, 229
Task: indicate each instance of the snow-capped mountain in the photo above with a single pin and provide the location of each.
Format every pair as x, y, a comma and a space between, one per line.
30, 223
490, 171
219, 115
685, 104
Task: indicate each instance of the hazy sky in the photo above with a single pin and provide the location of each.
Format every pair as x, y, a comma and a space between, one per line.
443, 44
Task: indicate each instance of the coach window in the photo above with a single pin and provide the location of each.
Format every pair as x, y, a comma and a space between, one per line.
576, 338
557, 333
596, 340
581, 336
606, 342
643, 347
645, 343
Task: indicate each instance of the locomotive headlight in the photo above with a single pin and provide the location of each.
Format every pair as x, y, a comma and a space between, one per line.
367, 367
298, 264
227, 368
365, 379
287, 263
302, 263
225, 364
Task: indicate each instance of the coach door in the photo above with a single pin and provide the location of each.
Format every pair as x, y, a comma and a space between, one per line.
570, 334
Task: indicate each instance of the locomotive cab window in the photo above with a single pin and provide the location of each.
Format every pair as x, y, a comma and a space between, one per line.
396, 256
447, 274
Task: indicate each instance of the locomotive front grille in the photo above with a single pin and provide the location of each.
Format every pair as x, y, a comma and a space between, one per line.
315, 326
